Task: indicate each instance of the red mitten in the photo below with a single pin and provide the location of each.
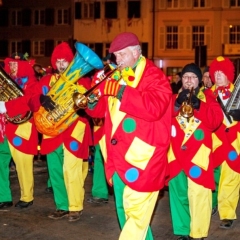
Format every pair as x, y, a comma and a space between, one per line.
109, 87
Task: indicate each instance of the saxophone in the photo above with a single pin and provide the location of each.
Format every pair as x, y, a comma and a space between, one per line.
54, 122
9, 90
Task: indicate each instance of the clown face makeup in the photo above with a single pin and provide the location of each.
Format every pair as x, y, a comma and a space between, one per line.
13, 68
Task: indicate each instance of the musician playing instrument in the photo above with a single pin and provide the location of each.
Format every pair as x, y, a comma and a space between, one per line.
20, 140
190, 157
67, 151
227, 141
136, 135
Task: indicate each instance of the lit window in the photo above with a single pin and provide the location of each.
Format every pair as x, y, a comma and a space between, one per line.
134, 9
16, 46
199, 3
39, 17
38, 48
16, 18
197, 36
172, 3
88, 10
172, 37
62, 16
234, 34
111, 9
235, 3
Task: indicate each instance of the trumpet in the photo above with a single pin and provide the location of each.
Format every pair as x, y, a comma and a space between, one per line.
81, 100
187, 109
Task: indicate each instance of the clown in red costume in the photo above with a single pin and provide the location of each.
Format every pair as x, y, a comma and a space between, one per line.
190, 157
67, 151
226, 143
20, 140
136, 135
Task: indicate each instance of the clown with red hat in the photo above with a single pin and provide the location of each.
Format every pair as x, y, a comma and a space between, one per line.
135, 108
20, 140
69, 148
226, 143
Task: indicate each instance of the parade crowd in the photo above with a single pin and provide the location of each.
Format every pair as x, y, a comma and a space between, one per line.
144, 133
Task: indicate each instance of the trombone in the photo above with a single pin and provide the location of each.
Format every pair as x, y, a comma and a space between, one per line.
82, 99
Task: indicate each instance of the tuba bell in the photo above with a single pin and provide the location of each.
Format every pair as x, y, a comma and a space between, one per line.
9, 90
64, 114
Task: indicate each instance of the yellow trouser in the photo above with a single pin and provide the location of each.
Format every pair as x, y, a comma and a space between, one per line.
75, 171
24, 168
138, 207
228, 193
200, 206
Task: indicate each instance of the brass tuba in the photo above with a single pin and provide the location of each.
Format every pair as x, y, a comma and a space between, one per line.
9, 90
187, 110
64, 114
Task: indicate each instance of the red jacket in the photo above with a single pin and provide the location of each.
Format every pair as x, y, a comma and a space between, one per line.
23, 137
227, 141
76, 138
137, 135
191, 148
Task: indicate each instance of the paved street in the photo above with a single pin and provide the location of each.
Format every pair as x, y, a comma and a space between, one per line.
97, 222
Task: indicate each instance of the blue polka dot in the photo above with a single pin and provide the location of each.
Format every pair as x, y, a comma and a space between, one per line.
132, 175
74, 145
44, 90
17, 141
232, 155
195, 172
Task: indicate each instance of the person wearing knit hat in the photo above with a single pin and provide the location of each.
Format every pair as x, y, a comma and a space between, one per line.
61, 57
134, 105
226, 156
191, 179
67, 151
19, 141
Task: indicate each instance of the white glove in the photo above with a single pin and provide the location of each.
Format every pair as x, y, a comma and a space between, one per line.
2, 107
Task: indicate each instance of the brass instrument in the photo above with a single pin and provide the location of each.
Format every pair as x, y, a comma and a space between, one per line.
81, 100
9, 90
64, 113
233, 102
187, 109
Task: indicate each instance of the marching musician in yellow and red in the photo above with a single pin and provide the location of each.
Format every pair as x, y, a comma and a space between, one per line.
226, 142
136, 135
67, 151
20, 140
190, 157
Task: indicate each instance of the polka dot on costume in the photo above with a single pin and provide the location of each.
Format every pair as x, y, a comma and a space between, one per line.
173, 131
17, 141
131, 78
232, 155
74, 145
195, 172
129, 125
132, 175
199, 134
45, 90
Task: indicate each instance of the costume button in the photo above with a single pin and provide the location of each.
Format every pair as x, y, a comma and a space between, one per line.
113, 141
227, 130
184, 147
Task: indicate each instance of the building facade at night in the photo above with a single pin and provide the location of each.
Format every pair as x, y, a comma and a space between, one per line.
172, 32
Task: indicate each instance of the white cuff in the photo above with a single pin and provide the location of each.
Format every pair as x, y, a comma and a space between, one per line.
2, 107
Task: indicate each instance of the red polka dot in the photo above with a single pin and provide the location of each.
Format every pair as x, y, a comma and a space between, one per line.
131, 78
